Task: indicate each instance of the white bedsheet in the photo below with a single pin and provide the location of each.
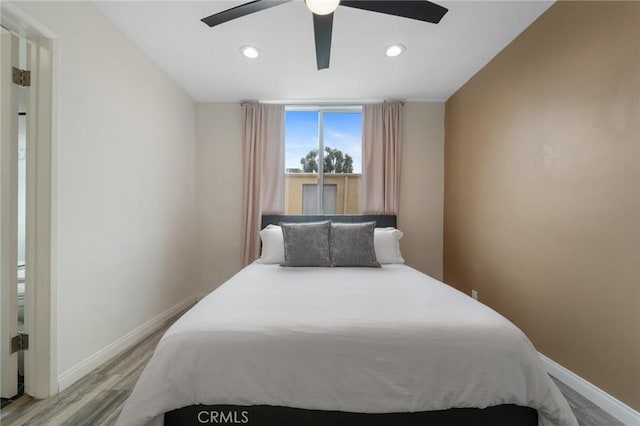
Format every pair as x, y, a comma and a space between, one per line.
345, 339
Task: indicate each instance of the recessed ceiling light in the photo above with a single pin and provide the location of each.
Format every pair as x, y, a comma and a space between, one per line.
394, 50
250, 52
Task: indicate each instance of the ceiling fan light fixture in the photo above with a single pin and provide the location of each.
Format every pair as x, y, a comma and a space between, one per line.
322, 7
322, 10
395, 50
250, 52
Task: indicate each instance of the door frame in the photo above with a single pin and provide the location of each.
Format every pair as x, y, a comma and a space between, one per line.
9, 215
40, 300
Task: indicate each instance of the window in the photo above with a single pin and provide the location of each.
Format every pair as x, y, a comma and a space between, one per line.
323, 149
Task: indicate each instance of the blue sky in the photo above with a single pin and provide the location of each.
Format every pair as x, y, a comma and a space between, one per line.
342, 130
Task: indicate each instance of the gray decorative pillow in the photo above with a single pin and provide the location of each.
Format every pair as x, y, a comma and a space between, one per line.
352, 244
306, 244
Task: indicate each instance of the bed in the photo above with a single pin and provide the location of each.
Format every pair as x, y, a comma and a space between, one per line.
343, 346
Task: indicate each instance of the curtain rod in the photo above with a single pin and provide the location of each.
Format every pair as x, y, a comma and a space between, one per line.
322, 103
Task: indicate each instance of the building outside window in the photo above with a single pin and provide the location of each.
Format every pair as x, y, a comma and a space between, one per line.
323, 149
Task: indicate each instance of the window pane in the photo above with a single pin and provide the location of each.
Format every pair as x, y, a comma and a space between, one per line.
301, 167
339, 167
343, 159
343, 131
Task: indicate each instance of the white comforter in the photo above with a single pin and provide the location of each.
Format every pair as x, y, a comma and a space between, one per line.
344, 339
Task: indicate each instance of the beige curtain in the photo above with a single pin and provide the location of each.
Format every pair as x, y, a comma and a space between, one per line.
263, 170
382, 152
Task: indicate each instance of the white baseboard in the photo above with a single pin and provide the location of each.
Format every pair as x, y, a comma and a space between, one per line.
135, 336
608, 403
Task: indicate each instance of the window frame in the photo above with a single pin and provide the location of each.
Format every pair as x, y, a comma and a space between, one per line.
321, 109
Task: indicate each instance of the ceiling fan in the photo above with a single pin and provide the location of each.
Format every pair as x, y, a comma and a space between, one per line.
322, 10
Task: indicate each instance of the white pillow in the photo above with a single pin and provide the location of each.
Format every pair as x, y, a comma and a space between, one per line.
272, 245
386, 242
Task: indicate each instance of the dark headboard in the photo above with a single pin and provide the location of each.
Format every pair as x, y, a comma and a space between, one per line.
381, 220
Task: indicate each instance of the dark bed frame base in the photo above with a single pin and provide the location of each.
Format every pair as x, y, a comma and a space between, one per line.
266, 415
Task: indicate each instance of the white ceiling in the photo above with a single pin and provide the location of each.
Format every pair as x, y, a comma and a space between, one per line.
206, 61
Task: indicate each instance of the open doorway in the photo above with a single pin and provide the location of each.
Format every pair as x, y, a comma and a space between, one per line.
22, 204
27, 345
13, 214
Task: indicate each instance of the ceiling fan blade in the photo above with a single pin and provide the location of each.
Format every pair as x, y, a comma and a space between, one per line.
412, 9
240, 11
322, 28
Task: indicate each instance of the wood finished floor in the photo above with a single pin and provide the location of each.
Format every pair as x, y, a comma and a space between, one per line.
96, 399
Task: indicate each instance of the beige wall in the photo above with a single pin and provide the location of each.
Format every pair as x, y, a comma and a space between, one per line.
422, 186
219, 193
123, 185
542, 188
219, 177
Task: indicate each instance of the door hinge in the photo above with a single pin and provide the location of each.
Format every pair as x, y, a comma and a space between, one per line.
21, 77
20, 342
